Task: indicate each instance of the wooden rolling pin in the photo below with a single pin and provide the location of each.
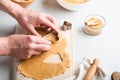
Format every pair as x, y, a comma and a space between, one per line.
92, 70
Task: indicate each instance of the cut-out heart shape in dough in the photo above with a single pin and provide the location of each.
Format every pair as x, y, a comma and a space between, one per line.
54, 58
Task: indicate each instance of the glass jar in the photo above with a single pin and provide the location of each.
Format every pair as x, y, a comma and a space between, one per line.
94, 24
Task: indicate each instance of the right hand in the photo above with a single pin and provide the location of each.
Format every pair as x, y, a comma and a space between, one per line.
24, 46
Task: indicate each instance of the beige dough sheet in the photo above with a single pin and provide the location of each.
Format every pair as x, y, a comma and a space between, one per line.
55, 59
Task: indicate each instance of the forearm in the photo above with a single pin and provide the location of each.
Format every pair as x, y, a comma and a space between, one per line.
11, 8
4, 46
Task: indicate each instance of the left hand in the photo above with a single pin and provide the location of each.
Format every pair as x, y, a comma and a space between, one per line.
29, 19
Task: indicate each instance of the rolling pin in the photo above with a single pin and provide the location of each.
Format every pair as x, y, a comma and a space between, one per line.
92, 70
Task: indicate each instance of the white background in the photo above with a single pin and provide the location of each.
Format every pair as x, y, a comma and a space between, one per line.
106, 46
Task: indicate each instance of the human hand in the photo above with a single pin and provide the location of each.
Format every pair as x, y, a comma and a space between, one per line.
29, 19
24, 46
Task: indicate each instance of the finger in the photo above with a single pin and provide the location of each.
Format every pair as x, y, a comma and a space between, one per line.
37, 52
51, 25
29, 56
26, 56
46, 28
39, 40
32, 52
51, 19
32, 30
47, 23
41, 47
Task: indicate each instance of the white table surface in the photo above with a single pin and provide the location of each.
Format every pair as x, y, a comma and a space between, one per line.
106, 46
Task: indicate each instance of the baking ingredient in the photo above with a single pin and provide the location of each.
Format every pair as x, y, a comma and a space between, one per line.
38, 68
115, 75
55, 58
93, 25
76, 1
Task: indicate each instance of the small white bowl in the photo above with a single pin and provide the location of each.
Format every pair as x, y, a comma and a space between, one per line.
72, 6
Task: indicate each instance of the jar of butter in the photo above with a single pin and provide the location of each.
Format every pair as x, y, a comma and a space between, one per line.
93, 24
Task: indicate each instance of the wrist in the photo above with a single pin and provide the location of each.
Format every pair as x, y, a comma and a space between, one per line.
4, 48
11, 8
12, 44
